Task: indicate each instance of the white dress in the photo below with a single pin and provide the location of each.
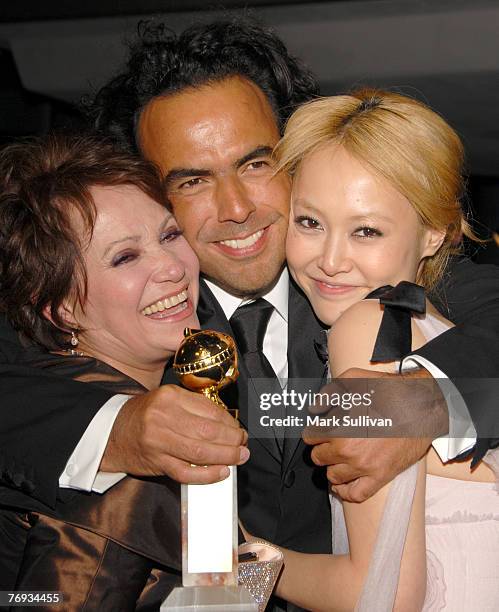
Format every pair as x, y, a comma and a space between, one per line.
462, 537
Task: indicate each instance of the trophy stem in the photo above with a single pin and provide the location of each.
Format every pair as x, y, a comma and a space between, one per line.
212, 394
209, 551
209, 532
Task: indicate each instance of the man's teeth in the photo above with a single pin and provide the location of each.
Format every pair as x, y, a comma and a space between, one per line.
168, 302
245, 242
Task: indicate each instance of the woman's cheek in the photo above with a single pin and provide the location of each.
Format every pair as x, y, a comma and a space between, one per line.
384, 263
294, 250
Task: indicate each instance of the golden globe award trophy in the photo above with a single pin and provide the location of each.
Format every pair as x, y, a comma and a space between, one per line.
205, 362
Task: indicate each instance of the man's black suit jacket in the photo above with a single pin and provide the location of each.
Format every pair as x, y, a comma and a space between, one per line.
42, 416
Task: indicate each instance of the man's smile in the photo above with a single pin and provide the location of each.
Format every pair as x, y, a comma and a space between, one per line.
242, 243
244, 246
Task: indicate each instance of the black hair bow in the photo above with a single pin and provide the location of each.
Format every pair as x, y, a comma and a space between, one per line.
394, 339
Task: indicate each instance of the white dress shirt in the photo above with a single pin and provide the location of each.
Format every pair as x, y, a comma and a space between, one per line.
448, 447
82, 470
275, 341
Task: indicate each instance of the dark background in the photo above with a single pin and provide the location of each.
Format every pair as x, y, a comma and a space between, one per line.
445, 52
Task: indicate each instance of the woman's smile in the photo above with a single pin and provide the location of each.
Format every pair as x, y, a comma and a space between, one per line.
332, 289
174, 308
142, 282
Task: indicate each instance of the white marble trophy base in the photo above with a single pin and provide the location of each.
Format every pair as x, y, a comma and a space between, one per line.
210, 599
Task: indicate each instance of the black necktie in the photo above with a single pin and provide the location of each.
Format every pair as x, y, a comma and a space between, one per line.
249, 324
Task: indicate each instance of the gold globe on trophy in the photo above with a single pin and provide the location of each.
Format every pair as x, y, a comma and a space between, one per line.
206, 362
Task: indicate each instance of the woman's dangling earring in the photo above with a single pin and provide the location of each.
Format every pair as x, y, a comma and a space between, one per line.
74, 339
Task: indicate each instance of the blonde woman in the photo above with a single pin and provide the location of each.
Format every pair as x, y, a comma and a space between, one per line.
377, 179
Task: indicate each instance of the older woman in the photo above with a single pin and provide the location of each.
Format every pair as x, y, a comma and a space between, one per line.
377, 179
96, 272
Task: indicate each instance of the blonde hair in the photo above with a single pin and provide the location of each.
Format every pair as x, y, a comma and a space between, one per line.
402, 140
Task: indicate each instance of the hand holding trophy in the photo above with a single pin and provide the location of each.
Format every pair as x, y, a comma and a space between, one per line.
205, 362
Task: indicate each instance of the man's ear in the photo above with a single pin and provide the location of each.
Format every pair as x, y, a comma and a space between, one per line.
65, 313
432, 241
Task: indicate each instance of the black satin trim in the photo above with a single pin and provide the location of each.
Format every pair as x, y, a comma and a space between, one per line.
321, 350
394, 339
84, 368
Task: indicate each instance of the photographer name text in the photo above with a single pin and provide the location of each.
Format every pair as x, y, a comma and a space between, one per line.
320, 421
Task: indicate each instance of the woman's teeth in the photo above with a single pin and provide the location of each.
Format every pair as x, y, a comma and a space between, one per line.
245, 242
168, 302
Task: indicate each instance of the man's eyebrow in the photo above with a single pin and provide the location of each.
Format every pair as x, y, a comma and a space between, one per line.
181, 173
261, 151
176, 174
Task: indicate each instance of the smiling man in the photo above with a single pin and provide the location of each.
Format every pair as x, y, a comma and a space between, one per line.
208, 106
219, 175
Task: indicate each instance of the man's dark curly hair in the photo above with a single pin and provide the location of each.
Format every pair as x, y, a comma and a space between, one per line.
161, 63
